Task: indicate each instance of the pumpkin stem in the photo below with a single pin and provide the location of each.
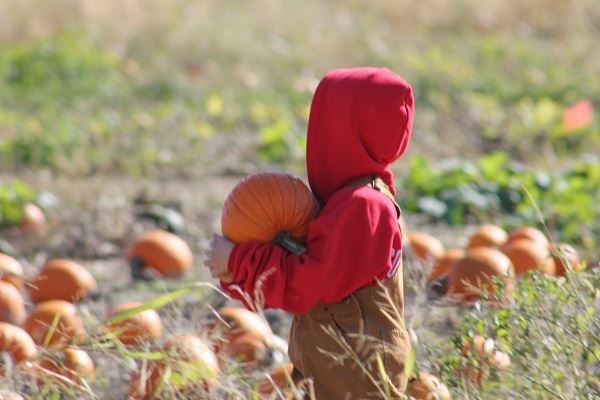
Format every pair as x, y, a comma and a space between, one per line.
438, 288
284, 239
138, 270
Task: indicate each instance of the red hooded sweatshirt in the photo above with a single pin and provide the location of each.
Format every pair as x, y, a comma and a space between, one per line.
360, 122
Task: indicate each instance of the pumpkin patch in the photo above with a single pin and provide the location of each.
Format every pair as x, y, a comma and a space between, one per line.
141, 141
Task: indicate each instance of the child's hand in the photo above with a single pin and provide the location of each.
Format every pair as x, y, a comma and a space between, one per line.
217, 257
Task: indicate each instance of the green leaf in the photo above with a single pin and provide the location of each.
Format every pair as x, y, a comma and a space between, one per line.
151, 304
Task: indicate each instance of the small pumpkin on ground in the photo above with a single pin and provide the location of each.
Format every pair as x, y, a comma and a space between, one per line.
12, 307
17, 343
54, 323
474, 272
443, 264
488, 235
437, 282
161, 252
72, 363
248, 348
61, 279
280, 378
11, 271
563, 254
528, 232
236, 321
527, 255
425, 246
142, 327
189, 368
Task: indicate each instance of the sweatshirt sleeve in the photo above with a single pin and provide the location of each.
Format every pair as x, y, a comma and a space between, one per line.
349, 245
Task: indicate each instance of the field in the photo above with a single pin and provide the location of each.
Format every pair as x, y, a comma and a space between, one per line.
121, 117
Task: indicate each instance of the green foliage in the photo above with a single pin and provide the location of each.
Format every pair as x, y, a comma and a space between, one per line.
59, 69
68, 105
460, 192
558, 348
13, 197
510, 92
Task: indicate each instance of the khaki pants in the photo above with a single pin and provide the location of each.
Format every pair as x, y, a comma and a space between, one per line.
337, 345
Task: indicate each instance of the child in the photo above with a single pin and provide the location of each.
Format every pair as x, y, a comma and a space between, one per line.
346, 290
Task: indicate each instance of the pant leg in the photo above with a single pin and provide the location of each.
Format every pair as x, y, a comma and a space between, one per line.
337, 345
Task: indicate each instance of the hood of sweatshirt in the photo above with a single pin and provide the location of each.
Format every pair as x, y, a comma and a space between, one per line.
360, 122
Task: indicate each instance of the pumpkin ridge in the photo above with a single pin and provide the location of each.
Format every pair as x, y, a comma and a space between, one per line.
264, 181
250, 217
285, 224
292, 218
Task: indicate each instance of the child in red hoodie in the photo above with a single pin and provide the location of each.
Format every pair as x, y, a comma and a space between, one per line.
346, 290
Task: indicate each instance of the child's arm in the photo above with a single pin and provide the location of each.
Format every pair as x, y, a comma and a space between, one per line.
348, 246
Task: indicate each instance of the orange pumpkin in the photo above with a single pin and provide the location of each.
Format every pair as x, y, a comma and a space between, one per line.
187, 356
61, 279
162, 251
279, 378
425, 386
40, 321
247, 348
146, 383
444, 263
527, 255
488, 235
261, 206
190, 348
475, 271
237, 321
425, 246
143, 327
562, 252
528, 232
17, 343
72, 363
11, 271
12, 308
